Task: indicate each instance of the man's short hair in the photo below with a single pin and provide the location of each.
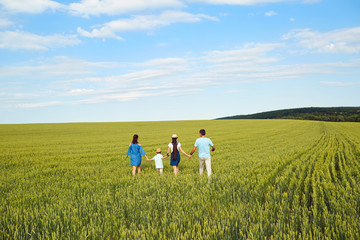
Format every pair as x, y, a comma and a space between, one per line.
202, 132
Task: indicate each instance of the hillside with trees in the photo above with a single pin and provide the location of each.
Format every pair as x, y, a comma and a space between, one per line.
332, 114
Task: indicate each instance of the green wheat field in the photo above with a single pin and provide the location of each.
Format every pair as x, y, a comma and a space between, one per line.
272, 179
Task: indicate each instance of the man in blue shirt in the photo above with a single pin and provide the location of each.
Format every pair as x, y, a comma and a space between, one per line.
204, 144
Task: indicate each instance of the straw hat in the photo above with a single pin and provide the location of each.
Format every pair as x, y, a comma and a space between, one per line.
174, 136
158, 150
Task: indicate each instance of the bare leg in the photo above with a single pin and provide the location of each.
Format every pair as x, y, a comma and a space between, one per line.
176, 169
134, 170
138, 169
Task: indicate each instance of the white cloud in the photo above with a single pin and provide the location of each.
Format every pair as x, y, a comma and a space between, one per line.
163, 62
114, 97
4, 22
256, 63
75, 81
142, 75
136, 93
80, 92
115, 7
270, 13
341, 84
143, 23
30, 41
145, 76
337, 41
54, 68
32, 7
41, 104
249, 54
104, 32
13, 97
292, 19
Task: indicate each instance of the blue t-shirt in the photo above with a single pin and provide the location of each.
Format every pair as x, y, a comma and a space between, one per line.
204, 145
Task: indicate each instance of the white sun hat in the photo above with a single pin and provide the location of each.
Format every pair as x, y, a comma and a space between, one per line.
174, 136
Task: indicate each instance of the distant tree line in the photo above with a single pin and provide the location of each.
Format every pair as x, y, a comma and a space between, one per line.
332, 114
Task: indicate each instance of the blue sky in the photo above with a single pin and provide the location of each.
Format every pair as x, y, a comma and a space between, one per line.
140, 60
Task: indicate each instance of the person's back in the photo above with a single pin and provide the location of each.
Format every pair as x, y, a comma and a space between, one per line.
158, 160
204, 144
135, 148
135, 152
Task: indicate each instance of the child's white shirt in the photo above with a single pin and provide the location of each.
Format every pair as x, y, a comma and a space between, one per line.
158, 161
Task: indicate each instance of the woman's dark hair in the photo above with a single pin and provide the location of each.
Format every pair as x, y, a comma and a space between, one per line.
174, 143
202, 132
135, 139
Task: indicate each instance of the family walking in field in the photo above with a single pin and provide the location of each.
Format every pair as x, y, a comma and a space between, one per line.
203, 144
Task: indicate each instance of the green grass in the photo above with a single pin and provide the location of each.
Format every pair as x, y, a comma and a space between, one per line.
271, 179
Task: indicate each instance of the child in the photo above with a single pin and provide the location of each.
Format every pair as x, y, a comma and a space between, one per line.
158, 161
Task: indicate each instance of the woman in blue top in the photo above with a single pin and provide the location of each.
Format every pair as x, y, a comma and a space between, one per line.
175, 147
135, 152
